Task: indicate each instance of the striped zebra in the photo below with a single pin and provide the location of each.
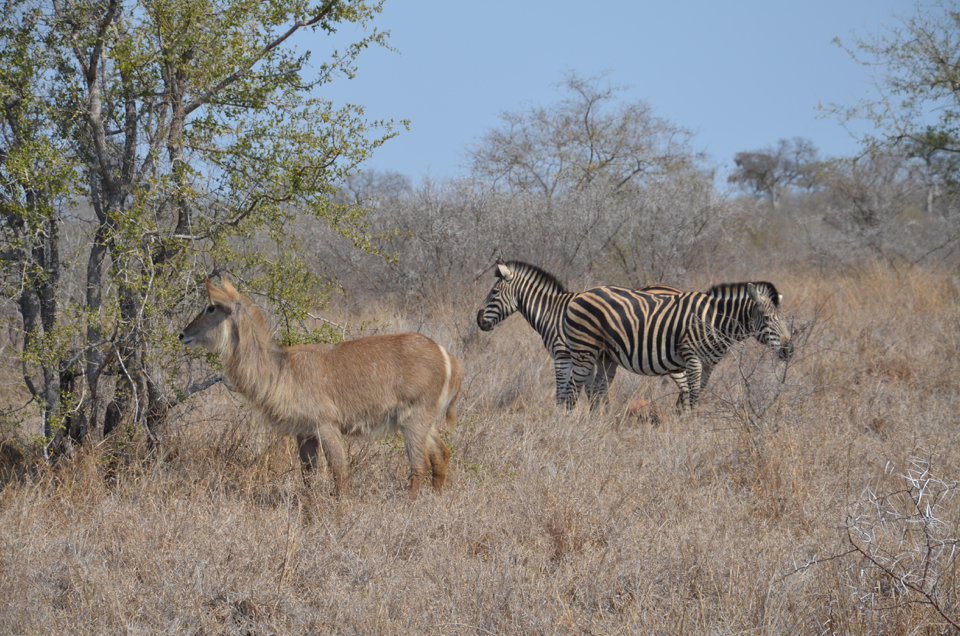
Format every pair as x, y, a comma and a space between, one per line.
542, 300
681, 335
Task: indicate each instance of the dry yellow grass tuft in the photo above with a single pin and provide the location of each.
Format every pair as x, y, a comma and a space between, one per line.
793, 501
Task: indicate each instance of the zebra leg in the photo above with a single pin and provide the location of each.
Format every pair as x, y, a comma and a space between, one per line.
581, 373
683, 400
694, 372
563, 366
590, 382
705, 375
603, 375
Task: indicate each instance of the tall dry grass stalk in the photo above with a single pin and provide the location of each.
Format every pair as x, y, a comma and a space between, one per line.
736, 519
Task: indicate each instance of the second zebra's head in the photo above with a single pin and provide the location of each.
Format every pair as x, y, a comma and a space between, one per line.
767, 322
502, 299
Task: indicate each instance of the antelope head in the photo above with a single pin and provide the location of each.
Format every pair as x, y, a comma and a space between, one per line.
211, 329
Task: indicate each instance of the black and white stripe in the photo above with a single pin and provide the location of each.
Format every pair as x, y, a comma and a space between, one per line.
543, 301
539, 297
682, 335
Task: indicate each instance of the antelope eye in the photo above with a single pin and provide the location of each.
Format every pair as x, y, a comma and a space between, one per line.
211, 309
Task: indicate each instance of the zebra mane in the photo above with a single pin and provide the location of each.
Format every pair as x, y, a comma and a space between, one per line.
537, 275
739, 290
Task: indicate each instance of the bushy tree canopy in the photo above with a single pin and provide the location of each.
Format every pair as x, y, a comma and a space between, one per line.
190, 133
915, 69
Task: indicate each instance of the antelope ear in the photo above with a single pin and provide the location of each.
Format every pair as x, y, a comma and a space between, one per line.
227, 287
217, 295
212, 290
504, 272
754, 295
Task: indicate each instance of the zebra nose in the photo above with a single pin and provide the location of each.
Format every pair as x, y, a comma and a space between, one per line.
786, 351
482, 323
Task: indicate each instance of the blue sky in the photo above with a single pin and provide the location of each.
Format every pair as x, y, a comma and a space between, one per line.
740, 75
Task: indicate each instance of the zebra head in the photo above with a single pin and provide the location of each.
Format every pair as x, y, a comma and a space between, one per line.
767, 322
502, 299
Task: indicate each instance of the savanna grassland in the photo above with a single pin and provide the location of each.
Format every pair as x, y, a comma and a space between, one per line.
809, 498
147, 147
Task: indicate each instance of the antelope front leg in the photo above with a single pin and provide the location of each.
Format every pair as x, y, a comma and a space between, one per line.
336, 458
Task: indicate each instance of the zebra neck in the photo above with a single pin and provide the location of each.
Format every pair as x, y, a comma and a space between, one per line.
544, 312
732, 318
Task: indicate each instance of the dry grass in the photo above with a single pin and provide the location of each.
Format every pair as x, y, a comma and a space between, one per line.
734, 520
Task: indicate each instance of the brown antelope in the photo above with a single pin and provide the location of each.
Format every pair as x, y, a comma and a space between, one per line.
371, 386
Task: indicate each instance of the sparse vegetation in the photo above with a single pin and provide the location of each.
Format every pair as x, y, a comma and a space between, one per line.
738, 518
816, 497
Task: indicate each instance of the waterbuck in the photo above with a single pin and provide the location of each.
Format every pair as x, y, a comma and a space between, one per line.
370, 386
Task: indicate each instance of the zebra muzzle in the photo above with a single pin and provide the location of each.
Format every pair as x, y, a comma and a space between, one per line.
786, 351
482, 323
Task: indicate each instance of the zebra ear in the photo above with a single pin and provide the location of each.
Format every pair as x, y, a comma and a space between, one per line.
752, 291
504, 272
779, 298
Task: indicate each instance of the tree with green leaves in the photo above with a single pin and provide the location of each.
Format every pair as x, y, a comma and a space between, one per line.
37, 176
915, 69
169, 140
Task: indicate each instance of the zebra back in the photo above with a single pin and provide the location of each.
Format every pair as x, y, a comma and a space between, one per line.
739, 290
671, 333
659, 289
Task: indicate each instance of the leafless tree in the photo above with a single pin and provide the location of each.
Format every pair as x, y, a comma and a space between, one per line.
368, 186
770, 171
667, 229
585, 138
907, 539
875, 204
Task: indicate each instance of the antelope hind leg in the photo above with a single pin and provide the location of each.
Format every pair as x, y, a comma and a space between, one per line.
439, 458
309, 448
418, 447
